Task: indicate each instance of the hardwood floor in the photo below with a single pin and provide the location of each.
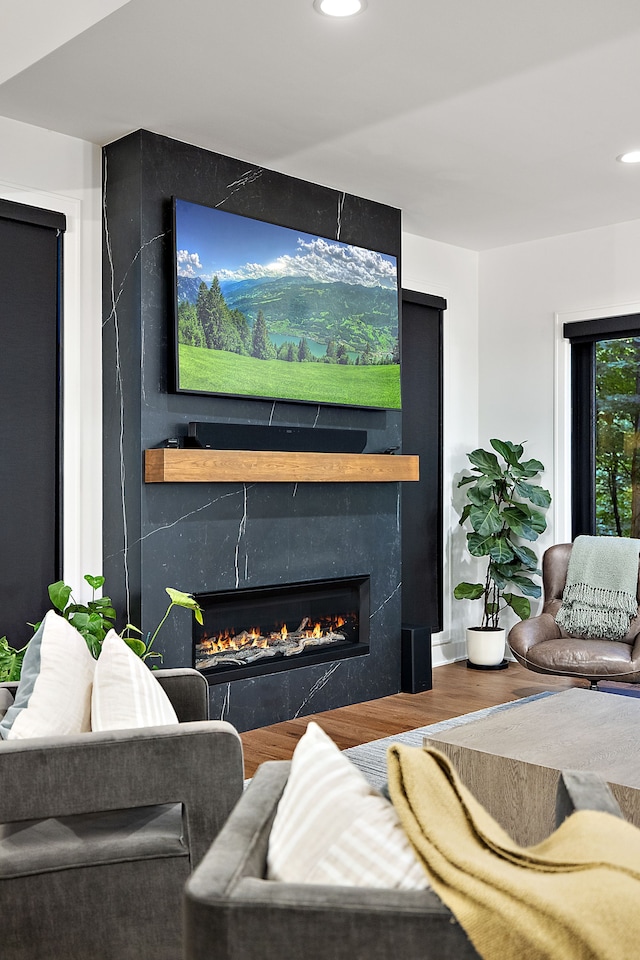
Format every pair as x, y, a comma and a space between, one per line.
456, 690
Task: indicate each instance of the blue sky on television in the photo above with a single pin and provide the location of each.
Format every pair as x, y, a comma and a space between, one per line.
211, 242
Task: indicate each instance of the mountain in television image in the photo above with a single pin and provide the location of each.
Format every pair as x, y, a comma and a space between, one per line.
270, 312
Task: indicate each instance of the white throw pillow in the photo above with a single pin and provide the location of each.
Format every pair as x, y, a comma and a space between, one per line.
54, 693
333, 827
125, 692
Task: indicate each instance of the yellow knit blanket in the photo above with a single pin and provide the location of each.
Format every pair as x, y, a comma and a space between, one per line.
576, 896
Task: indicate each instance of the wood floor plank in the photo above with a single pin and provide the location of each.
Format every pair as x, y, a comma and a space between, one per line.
456, 690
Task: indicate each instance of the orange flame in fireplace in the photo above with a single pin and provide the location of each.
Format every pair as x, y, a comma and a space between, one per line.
228, 642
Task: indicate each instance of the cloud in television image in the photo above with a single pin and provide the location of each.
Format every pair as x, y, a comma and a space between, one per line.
270, 312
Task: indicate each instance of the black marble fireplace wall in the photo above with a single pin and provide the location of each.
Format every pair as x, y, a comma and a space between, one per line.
203, 537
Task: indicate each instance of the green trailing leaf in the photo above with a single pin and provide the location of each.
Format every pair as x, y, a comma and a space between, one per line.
10, 661
94, 582
94, 620
138, 646
59, 594
504, 509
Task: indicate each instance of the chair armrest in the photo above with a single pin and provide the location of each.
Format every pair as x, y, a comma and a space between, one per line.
527, 633
228, 902
188, 691
582, 790
9, 685
196, 764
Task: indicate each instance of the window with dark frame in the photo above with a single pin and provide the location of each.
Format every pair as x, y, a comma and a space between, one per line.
605, 425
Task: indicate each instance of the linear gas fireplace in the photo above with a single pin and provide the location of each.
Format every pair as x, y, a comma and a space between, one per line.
247, 632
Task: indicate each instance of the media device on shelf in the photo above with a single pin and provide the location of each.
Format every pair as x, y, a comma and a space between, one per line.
270, 312
253, 436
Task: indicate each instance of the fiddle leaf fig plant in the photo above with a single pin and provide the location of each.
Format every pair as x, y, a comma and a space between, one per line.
504, 507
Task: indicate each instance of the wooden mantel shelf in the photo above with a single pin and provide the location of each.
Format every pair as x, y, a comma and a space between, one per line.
163, 465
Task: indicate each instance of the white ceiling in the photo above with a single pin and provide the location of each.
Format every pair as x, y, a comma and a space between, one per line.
488, 122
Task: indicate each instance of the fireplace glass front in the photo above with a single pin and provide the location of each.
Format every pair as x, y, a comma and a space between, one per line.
265, 629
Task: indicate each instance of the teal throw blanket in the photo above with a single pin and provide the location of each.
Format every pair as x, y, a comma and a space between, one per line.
600, 596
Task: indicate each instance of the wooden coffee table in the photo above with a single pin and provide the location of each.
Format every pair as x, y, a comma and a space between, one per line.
511, 760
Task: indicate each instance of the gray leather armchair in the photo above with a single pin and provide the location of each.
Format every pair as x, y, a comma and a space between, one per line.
541, 645
233, 913
99, 831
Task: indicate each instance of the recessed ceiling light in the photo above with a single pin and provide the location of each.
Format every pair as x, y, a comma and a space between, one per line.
339, 8
632, 157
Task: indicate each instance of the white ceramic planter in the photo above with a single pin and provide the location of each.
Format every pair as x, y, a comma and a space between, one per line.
485, 645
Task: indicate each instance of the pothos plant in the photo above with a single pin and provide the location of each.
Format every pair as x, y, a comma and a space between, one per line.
502, 510
94, 620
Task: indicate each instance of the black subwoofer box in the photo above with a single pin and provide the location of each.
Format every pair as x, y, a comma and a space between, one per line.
416, 674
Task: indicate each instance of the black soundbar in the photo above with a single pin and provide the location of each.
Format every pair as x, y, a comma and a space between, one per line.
252, 436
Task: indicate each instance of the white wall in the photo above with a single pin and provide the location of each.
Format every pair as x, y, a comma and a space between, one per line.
525, 293
46, 169
451, 272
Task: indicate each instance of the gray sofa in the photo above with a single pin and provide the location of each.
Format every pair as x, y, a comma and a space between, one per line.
233, 913
99, 831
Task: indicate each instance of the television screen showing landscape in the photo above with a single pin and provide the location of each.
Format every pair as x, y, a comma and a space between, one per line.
266, 311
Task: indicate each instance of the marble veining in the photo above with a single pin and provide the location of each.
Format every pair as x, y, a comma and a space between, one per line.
120, 395
318, 685
242, 527
185, 516
249, 177
225, 703
385, 602
341, 200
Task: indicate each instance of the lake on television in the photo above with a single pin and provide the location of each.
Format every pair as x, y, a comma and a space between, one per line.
317, 349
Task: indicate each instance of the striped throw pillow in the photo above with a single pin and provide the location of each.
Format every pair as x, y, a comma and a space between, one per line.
125, 692
332, 827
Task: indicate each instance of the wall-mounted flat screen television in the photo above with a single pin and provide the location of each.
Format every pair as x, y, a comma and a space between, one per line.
269, 312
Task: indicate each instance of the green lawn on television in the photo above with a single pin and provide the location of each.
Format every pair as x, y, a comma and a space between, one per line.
204, 370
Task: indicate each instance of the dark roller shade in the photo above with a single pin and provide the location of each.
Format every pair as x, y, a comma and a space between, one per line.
422, 553
30, 538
